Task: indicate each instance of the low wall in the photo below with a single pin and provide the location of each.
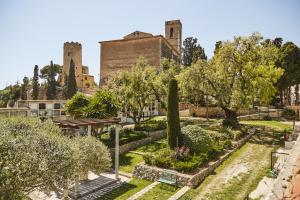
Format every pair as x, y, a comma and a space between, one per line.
213, 112
153, 173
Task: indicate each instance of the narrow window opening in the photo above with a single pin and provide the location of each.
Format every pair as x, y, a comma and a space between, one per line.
171, 33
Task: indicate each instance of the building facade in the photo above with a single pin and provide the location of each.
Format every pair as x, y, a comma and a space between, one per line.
53, 109
122, 54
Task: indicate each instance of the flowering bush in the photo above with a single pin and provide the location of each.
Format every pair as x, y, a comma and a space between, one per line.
181, 153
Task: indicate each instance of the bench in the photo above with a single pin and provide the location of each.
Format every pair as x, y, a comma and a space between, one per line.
168, 177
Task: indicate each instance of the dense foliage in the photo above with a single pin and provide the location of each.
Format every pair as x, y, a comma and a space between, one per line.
151, 125
133, 89
36, 155
101, 105
241, 73
24, 88
51, 81
192, 52
288, 114
173, 128
77, 104
169, 70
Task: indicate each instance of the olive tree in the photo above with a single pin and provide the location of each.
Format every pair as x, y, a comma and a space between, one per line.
35, 155
133, 88
240, 73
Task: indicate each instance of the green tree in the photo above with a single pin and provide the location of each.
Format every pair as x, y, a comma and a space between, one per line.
77, 104
289, 60
49, 70
24, 88
133, 89
240, 73
71, 81
51, 82
102, 105
173, 129
192, 51
160, 84
218, 45
35, 83
36, 155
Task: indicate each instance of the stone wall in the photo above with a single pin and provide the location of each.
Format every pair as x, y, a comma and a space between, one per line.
153, 173
122, 54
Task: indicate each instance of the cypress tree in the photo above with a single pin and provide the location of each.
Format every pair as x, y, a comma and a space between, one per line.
24, 88
173, 129
35, 83
71, 81
51, 87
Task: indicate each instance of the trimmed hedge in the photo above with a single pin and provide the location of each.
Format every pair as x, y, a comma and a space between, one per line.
165, 159
288, 114
151, 125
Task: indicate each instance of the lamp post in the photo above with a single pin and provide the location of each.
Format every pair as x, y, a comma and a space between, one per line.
118, 127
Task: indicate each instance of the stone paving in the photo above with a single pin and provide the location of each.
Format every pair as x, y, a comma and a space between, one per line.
90, 186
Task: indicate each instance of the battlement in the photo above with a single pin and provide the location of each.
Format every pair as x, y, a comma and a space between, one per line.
173, 22
72, 44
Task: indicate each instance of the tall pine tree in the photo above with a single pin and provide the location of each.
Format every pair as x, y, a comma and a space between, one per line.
173, 129
35, 83
71, 81
51, 83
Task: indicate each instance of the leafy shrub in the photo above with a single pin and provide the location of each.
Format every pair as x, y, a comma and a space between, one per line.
288, 114
193, 163
197, 139
165, 159
230, 123
151, 125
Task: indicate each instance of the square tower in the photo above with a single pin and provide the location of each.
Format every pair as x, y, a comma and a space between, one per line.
173, 33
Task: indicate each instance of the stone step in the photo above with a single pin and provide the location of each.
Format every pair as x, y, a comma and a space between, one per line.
100, 193
90, 186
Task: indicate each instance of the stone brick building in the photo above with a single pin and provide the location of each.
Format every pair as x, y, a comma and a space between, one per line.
121, 54
85, 81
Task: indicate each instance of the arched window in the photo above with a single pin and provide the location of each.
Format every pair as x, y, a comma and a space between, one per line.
171, 33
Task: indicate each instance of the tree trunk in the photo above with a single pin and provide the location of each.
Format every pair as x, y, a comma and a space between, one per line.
230, 117
297, 94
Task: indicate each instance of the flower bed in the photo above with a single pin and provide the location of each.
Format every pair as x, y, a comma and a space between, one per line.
197, 169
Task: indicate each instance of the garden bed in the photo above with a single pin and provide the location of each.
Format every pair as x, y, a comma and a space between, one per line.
195, 177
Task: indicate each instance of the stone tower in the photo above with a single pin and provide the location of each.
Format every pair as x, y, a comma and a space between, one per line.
173, 33
72, 50
85, 81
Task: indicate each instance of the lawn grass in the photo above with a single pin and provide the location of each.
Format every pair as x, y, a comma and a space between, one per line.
126, 190
276, 125
153, 146
256, 153
161, 191
128, 161
124, 138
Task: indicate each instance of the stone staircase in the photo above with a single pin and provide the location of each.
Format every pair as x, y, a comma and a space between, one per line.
93, 189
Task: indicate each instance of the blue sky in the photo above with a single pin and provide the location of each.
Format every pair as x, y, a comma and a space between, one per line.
33, 31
